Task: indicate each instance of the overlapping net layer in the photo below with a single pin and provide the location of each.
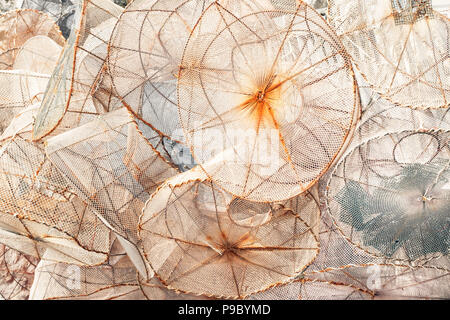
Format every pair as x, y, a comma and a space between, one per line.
390, 195
16, 27
111, 167
16, 272
21, 125
18, 90
199, 149
28, 53
266, 101
62, 11
401, 47
80, 87
442, 6
40, 214
116, 279
153, 34
193, 243
366, 282
384, 281
381, 117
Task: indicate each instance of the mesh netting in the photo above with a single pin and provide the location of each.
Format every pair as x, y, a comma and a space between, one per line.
21, 125
80, 79
193, 245
442, 6
111, 167
390, 195
116, 279
16, 272
16, 27
266, 101
29, 48
381, 117
383, 281
18, 90
38, 54
154, 33
401, 47
307, 289
365, 282
200, 149
62, 11
40, 214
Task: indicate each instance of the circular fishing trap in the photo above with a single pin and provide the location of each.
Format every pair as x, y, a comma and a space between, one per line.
145, 53
390, 195
25, 84
401, 48
16, 27
266, 101
193, 246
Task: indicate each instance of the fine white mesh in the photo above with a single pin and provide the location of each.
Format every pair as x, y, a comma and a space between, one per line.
80, 80
266, 101
401, 47
194, 246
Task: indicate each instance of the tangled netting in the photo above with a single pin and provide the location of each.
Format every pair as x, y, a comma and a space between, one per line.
400, 46
229, 149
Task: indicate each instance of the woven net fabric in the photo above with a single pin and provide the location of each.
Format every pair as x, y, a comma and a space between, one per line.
21, 125
17, 274
381, 117
148, 88
400, 182
40, 214
111, 167
16, 27
365, 282
195, 247
38, 54
22, 87
114, 169
80, 77
266, 101
387, 281
30, 50
200, 149
442, 6
307, 289
62, 11
401, 47
116, 279
19, 89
